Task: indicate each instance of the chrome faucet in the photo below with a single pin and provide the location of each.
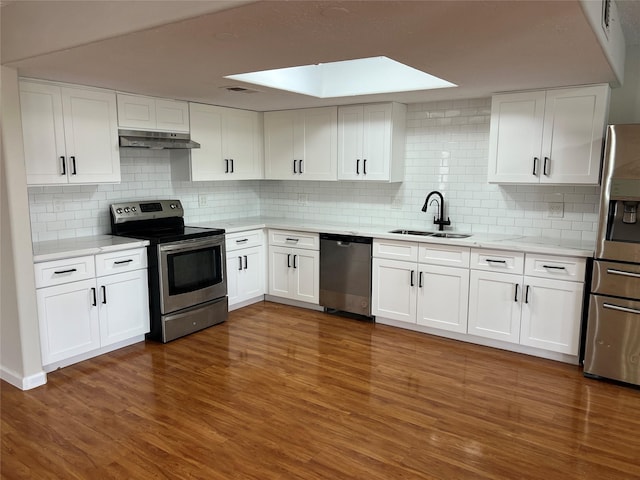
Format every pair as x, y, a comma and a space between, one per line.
440, 220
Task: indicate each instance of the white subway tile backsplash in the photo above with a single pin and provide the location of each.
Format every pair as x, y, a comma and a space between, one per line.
446, 149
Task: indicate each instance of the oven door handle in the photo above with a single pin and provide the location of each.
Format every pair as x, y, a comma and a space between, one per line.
621, 309
192, 244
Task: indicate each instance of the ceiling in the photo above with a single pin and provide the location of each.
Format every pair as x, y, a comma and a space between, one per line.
183, 49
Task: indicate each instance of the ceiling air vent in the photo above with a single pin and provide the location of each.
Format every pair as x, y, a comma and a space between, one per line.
236, 89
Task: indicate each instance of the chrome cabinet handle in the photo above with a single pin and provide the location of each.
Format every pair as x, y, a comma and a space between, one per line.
621, 309
613, 271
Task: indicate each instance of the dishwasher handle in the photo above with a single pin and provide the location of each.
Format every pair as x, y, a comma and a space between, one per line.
345, 240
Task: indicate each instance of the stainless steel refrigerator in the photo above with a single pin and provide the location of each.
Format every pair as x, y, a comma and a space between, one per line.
612, 348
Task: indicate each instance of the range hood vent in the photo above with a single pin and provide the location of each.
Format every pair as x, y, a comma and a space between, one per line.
156, 140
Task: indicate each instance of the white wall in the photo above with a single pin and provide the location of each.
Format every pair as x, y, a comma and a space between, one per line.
625, 101
20, 360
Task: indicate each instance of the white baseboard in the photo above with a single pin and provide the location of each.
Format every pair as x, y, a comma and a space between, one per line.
246, 303
23, 383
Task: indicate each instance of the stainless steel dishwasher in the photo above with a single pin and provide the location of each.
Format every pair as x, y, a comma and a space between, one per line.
345, 273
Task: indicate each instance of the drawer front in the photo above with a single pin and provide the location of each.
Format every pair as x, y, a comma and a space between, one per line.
497, 260
395, 250
551, 266
445, 255
251, 238
617, 279
68, 270
288, 238
121, 261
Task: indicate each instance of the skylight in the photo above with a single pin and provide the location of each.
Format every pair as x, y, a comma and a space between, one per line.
363, 76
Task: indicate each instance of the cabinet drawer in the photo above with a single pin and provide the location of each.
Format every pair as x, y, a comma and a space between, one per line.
288, 238
251, 238
121, 261
497, 261
395, 250
551, 266
445, 255
68, 270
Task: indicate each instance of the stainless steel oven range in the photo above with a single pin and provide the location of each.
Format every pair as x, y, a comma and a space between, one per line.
612, 348
187, 267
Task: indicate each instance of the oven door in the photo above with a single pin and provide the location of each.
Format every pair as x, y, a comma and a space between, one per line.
191, 272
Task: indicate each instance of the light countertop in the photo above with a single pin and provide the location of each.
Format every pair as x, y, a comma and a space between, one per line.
543, 245
79, 246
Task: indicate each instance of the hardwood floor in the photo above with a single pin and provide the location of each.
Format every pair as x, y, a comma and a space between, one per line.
279, 392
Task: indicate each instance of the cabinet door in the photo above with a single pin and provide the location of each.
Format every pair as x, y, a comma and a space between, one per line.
394, 289
319, 157
68, 320
252, 281
280, 145
43, 133
124, 306
91, 135
136, 112
376, 142
515, 138
280, 269
574, 122
207, 162
551, 314
172, 115
242, 141
443, 297
234, 269
306, 275
494, 305
350, 125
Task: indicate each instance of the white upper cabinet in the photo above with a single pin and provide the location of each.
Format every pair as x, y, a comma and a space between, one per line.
138, 112
70, 134
371, 140
230, 143
301, 144
553, 136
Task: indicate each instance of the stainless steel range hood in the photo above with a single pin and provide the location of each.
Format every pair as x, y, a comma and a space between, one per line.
156, 140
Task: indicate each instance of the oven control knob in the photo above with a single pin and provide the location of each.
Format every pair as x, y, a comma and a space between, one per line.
133, 209
126, 209
118, 210
172, 206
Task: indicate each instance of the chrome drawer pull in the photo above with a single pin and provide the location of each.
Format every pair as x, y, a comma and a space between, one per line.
554, 267
622, 272
621, 309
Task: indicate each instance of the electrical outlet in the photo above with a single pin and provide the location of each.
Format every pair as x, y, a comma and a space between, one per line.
58, 205
555, 210
202, 200
396, 203
303, 199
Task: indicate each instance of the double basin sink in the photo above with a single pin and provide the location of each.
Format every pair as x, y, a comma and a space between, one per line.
431, 234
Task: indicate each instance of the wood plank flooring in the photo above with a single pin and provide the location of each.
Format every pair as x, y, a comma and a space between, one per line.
279, 392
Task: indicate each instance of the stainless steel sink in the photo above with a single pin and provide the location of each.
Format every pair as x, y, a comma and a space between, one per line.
450, 235
411, 232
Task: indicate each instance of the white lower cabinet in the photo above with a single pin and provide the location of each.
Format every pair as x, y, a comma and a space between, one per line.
245, 267
294, 273
538, 303
79, 315
432, 294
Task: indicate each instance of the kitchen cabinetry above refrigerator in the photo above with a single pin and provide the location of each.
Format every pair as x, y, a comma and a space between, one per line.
70, 134
548, 136
371, 141
301, 144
